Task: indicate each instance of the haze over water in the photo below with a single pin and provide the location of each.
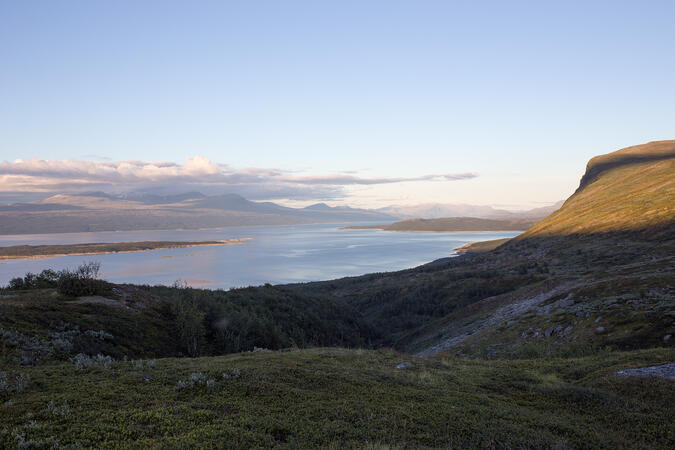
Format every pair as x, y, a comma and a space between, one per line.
275, 254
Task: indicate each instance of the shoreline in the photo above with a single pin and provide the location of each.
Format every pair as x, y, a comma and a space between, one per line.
168, 246
481, 246
433, 231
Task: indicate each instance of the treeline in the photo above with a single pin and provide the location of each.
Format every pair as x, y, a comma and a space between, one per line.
393, 304
267, 317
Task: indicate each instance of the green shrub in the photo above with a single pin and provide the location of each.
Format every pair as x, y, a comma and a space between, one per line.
189, 320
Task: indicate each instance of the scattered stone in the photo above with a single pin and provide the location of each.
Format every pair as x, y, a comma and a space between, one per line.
598, 319
404, 365
553, 330
666, 371
667, 337
564, 303
599, 330
568, 329
144, 378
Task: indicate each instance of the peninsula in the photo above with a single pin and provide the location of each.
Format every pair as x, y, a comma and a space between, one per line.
51, 251
451, 224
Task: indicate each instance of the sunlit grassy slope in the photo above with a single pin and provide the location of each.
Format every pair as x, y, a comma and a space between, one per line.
631, 189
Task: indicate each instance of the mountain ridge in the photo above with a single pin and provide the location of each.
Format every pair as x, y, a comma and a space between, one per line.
98, 211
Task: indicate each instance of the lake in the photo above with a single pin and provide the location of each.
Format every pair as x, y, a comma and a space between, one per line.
275, 254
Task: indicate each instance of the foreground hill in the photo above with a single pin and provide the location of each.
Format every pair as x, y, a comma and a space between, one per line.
333, 398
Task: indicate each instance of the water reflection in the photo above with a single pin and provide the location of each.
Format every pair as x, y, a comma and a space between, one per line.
279, 254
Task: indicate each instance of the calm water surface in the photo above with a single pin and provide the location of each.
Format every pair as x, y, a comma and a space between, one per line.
275, 254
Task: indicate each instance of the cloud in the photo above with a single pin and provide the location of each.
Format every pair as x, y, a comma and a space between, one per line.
345, 180
197, 173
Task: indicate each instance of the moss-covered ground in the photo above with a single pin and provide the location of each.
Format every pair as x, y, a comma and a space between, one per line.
327, 397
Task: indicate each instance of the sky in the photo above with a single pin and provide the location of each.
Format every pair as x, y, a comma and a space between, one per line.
366, 103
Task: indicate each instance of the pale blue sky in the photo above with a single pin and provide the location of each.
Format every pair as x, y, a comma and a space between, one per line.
520, 93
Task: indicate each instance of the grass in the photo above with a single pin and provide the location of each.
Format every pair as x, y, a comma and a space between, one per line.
327, 397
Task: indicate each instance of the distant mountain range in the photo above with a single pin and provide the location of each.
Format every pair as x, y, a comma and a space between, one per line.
442, 210
100, 211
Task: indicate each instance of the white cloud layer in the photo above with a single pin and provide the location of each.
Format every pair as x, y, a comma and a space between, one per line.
197, 173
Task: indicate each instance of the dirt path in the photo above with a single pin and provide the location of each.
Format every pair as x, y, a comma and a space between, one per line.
666, 371
499, 315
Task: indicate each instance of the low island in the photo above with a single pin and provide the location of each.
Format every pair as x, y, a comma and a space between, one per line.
51, 251
450, 224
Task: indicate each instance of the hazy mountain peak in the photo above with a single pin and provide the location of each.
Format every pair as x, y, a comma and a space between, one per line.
319, 207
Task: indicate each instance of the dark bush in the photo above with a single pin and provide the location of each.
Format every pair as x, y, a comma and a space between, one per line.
16, 284
70, 283
44, 280
82, 281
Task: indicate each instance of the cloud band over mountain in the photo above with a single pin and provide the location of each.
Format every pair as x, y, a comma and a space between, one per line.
72, 176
